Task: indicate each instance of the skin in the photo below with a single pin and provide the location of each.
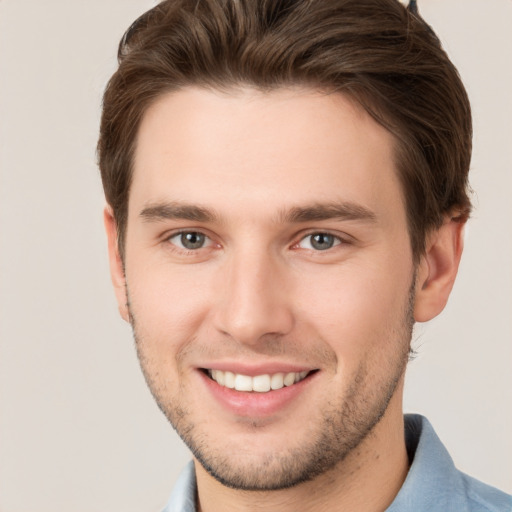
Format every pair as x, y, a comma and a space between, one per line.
258, 174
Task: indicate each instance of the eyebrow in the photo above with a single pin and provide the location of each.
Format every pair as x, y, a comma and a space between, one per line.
295, 215
317, 212
175, 210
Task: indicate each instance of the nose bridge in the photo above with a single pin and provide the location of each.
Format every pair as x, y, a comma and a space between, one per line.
254, 302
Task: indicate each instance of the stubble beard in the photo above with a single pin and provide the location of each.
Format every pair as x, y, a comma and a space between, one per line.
342, 429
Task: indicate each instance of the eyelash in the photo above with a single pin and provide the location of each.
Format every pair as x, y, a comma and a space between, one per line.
337, 240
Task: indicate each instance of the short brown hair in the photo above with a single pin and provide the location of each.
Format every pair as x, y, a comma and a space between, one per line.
375, 51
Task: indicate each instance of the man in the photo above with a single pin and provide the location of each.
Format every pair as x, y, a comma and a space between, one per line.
287, 189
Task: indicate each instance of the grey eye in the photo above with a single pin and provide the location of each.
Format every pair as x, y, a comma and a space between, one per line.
322, 241
319, 241
189, 240
192, 240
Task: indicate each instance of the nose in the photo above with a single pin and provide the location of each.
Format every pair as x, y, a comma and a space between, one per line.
254, 301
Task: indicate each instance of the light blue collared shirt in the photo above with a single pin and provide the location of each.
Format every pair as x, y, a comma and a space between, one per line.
433, 483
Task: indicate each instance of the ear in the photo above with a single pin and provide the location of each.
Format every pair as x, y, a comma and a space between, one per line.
438, 268
116, 263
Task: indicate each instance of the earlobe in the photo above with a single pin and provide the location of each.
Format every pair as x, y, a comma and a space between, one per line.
437, 269
116, 263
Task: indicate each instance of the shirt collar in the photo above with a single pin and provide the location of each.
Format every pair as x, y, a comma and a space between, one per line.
432, 474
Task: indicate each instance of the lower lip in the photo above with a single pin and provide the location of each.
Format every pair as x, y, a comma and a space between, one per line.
254, 404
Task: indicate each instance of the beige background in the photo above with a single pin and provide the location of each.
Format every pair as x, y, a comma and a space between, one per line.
78, 429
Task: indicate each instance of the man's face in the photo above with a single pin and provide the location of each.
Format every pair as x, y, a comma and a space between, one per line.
267, 245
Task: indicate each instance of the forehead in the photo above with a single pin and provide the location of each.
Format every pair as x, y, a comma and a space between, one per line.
286, 147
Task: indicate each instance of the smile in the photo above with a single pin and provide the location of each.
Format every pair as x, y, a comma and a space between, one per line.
259, 383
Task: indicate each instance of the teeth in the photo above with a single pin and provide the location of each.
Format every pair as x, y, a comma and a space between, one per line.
220, 377
229, 379
277, 381
259, 383
243, 383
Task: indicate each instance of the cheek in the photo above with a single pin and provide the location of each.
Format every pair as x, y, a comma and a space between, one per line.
168, 304
359, 310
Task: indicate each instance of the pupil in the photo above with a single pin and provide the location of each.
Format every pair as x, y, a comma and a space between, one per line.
322, 241
192, 240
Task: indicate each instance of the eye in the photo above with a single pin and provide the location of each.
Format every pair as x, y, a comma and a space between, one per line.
190, 240
319, 241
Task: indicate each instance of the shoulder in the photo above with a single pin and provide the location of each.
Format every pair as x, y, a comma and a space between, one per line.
485, 498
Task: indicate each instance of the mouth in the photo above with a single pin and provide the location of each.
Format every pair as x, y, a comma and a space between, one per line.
257, 383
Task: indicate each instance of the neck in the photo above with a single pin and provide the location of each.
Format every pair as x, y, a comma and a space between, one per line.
368, 479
